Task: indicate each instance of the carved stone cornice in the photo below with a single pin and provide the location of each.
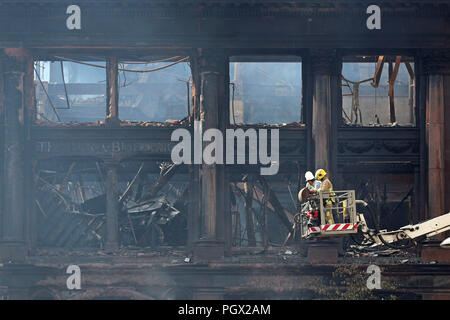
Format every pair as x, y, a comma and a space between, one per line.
385, 147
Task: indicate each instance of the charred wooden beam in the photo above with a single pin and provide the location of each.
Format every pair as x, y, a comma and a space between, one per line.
164, 179
69, 172
378, 71
409, 68
249, 225
267, 193
277, 206
391, 96
130, 185
393, 76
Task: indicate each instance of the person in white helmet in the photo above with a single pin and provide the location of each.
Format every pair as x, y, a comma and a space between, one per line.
312, 189
311, 182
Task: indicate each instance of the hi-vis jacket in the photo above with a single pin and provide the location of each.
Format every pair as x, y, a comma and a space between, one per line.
314, 187
327, 186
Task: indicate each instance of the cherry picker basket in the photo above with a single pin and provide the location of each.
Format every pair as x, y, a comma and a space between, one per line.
340, 205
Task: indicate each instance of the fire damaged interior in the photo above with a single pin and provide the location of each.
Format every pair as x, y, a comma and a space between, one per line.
87, 117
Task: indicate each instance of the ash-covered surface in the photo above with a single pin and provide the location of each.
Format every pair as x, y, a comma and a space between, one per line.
123, 255
358, 254
354, 256
377, 125
244, 256
294, 124
122, 123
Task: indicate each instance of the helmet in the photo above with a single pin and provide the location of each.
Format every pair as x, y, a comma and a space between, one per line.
320, 174
309, 176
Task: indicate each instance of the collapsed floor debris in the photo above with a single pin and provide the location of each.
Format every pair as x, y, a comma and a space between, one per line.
143, 214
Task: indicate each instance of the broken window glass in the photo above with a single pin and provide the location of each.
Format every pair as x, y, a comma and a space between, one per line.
69, 91
265, 92
152, 94
378, 91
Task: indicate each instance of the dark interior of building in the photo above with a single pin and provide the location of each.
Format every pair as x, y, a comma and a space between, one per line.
93, 92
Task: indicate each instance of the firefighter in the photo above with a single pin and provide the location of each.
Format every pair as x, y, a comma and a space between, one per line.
310, 182
312, 188
326, 186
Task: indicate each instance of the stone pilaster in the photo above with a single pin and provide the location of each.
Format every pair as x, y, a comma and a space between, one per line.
13, 212
213, 238
436, 71
112, 206
324, 65
436, 67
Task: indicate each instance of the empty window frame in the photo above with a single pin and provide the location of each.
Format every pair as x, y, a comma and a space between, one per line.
265, 90
378, 90
69, 91
154, 89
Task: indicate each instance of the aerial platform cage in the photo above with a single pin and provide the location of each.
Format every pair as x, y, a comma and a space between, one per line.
341, 205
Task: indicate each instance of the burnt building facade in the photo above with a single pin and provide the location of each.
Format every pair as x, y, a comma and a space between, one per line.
91, 93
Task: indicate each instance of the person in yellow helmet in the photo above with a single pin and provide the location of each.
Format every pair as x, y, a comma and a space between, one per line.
326, 186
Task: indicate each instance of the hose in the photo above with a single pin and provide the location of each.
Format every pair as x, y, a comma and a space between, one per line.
361, 243
387, 244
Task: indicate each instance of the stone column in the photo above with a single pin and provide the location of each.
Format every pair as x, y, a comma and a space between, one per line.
436, 71
436, 66
13, 240
112, 91
112, 206
111, 181
325, 67
214, 238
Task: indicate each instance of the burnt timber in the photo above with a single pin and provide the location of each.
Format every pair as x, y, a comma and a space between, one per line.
322, 34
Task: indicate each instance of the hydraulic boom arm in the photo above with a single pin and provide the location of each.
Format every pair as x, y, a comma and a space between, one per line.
418, 231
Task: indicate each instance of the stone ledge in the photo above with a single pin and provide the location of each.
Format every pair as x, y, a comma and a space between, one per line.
208, 250
12, 251
435, 253
322, 254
